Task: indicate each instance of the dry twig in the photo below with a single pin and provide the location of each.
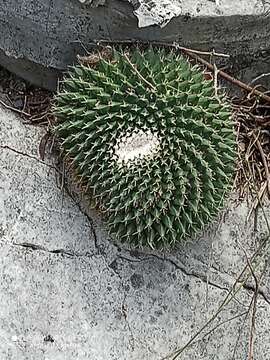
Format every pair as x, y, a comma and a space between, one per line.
194, 55
242, 328
21, 112
258, 78
230, 78
266, 168
165, 45
254, 305
138, 73
231, 295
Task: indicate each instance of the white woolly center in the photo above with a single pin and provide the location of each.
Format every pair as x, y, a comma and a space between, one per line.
136, 144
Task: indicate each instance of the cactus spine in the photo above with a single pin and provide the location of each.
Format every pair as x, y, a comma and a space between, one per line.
151, 141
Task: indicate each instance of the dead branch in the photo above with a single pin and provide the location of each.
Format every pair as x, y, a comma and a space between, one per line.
14, 109
138, 73
194, 55
229, 78
264, 162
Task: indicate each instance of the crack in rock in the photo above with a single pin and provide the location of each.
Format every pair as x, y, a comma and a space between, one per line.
247, 286
88, 217
201, 277
197, 275
132, 258
124, 311
261, 292
136, 257
37, 247
90, 220
28, 156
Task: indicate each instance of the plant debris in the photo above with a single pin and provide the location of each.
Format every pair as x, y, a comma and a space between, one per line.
253, 138
32, 103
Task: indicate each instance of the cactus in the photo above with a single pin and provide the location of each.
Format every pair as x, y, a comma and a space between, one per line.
152, 143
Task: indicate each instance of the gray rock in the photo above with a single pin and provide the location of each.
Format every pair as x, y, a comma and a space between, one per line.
67, 291
42, 37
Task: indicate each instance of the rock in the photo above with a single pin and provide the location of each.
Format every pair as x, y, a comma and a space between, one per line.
43, 37
67, 291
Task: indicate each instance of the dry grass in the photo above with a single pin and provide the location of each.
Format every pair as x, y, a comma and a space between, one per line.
252, 180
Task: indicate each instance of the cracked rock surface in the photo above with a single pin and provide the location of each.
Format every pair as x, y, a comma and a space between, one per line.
68, 292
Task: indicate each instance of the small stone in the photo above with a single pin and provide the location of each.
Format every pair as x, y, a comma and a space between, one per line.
48, 338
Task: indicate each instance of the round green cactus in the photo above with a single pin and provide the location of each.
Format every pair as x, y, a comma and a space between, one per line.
152, 143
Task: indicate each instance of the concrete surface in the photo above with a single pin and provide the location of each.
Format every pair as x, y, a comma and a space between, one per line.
68, 292
50, 33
